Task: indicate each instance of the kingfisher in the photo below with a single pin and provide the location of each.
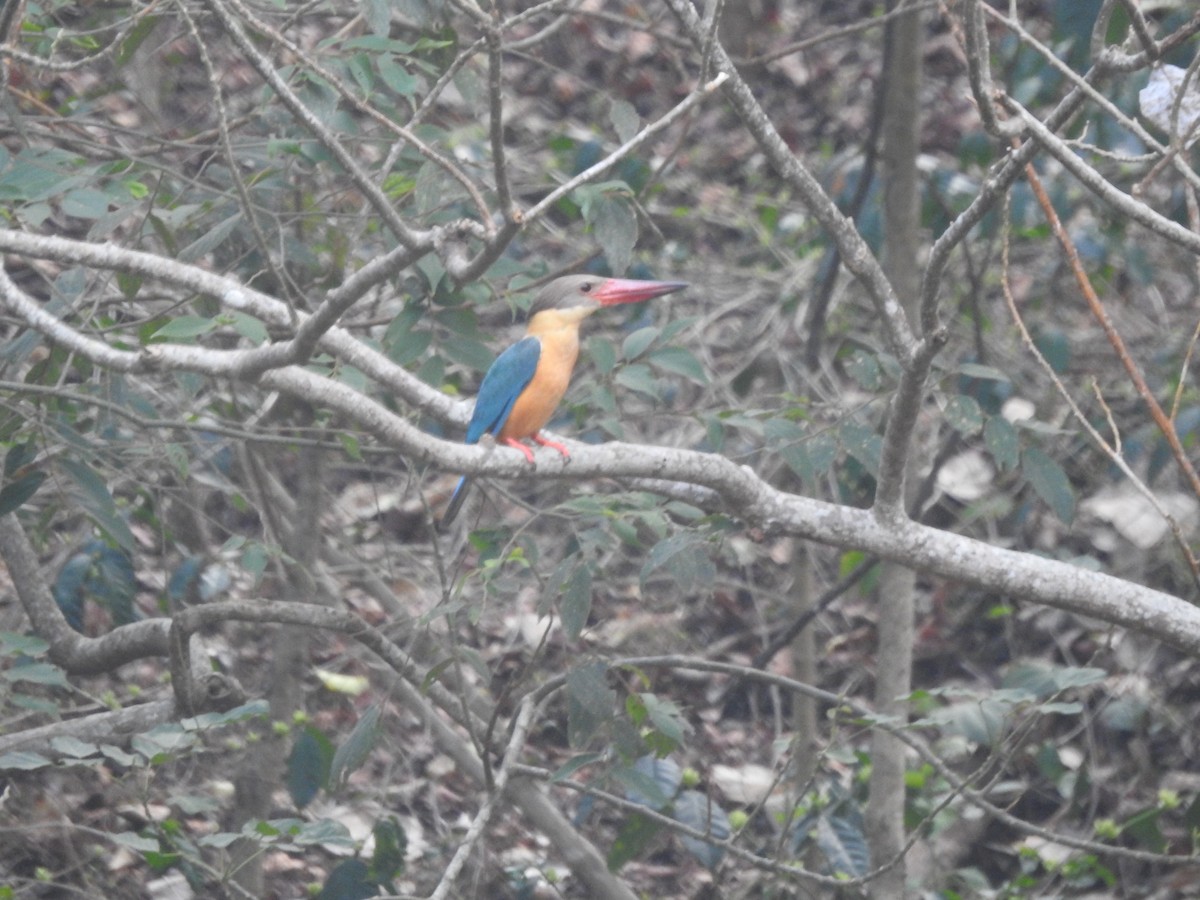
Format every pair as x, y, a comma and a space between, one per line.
527, 381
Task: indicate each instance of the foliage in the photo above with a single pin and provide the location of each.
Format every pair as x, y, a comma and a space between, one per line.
407, 177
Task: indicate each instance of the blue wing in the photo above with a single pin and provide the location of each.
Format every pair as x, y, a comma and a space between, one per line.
502, 385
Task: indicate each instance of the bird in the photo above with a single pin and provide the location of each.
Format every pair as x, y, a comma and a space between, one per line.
523, 387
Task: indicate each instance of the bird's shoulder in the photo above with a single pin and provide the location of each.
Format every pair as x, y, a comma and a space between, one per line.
527, 348
508, 376
513, 369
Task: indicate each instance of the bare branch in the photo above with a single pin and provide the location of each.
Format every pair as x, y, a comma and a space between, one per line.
235, 296
410, 237
595, 171
742, 493
69, 649
856, 255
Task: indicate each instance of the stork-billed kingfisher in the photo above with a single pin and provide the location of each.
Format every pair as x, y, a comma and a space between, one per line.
523, 387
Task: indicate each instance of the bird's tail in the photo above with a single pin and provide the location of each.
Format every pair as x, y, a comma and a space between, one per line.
456, 501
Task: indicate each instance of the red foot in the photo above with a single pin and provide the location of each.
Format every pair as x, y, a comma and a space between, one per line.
519, 446
546, 442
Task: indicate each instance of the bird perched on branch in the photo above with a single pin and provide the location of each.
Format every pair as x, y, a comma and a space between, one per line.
523, 387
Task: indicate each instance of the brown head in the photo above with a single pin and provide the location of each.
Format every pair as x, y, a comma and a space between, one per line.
578, 296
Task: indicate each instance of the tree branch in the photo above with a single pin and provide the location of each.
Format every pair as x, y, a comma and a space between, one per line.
742, 492
72, 651
856, 255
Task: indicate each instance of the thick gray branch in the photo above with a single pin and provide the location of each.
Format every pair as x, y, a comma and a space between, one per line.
741, 491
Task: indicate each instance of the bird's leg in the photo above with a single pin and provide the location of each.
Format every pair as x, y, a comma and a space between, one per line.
546, 442
512, 442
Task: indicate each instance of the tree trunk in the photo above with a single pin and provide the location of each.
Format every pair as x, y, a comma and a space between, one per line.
263, 767
893, 676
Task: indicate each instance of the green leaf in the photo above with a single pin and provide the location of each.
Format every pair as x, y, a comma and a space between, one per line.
964, 415
134, 37
1144, 828
1050, 482
212, 238
697, 811
247, 326
574, 764
120, 757
864, 368
680, 361
603, 354
982, 372
615, 226
321, 831
433, 188
666, 716
650, 781
129, 284
391, 843
637, 343
73, 747
19, 456
40, 174
685, 557
354, 751
37, 673
1002, 442
360, 70
16, 493
625, 119
183, 328
1053, 344
350, 880
23, 760
160, 861
94, 496
637, 377
590, 702
308, 765
577, 600
842, 839
863, 444
1040, 680
136, 842
469, 352
398, 79
85, 203
351, 446
26, 644
1127, 713
812, 457
158, 743
404, 341
981, 721
632, 840
251, 709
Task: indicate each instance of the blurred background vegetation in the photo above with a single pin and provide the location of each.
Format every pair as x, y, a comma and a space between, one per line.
153, 127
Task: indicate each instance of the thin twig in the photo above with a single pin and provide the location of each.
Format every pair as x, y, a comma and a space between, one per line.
1109, 450
1100, 313
280, 274
595, 171
512, 754
412, 238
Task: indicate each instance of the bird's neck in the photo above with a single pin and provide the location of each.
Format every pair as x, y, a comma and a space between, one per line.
558, 324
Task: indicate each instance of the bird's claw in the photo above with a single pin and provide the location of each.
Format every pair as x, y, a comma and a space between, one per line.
538, 439
517, 445
546, 442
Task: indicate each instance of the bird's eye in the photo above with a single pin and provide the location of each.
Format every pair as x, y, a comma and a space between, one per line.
586, 287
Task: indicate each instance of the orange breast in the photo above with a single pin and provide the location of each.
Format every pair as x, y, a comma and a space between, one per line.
539, 400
